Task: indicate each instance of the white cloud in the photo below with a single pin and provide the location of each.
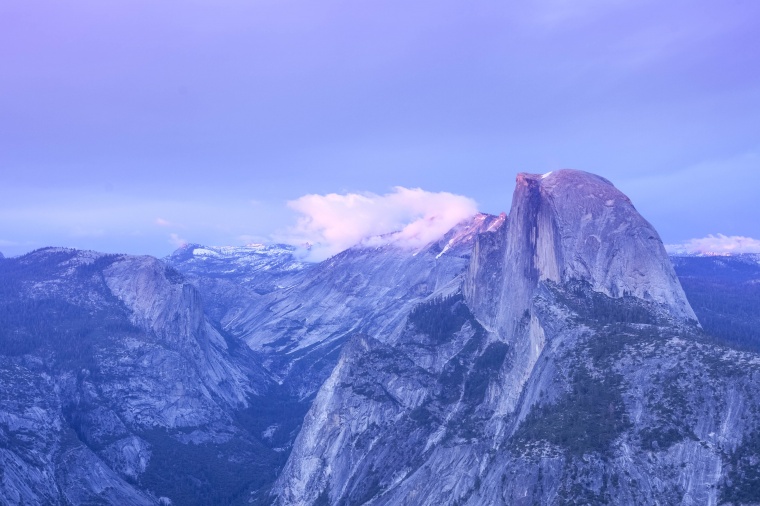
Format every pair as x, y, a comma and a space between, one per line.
162, 222
717, 245
176, 240
407, 218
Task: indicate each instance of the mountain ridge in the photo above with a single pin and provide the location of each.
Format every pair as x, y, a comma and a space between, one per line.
513, 360
441, 427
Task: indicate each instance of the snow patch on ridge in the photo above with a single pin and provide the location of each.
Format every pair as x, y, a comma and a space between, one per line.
715, 245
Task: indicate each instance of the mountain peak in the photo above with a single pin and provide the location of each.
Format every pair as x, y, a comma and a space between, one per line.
564, 177
570, 225
463, 235
572, 185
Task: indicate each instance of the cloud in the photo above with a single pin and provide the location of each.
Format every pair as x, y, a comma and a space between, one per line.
407, 218
176, 240
717, 245
163, 222
87, 231
249, 239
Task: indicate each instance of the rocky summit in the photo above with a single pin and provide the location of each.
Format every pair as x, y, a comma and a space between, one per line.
545, 356
570, 368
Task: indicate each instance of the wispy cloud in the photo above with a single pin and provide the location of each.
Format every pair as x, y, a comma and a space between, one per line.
718, 244
249, 239
408, 218
163, 222
87, 231
176, 240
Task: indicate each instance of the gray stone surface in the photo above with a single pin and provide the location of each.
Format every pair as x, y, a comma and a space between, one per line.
544, 357
578, 373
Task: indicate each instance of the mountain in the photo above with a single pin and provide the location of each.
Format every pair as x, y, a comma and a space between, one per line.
569, 369
724, 291
130, 382
299, 329
232, 279
118, 389
548, 356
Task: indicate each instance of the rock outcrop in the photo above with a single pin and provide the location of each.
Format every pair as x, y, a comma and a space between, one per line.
544, 357
111, 372
299, 330
564, 226
569, 368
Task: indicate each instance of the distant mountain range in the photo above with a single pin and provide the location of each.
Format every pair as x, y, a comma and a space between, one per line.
554, 355
724, 291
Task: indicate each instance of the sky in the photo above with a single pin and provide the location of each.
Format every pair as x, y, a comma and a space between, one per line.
137, 126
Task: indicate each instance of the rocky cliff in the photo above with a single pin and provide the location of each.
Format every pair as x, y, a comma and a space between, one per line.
112, 375
127, 381
299, 328
544, 357
569, 369
564, 226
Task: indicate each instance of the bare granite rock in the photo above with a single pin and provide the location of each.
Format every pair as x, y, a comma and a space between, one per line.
570, 368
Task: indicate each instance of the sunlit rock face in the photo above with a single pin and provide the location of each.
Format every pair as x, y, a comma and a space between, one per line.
568, 367
570, 225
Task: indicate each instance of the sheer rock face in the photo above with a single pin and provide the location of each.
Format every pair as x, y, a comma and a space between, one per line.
564, 227
570, 225
162, 303
571, 367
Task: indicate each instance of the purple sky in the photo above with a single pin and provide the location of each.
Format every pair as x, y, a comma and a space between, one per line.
127, 126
